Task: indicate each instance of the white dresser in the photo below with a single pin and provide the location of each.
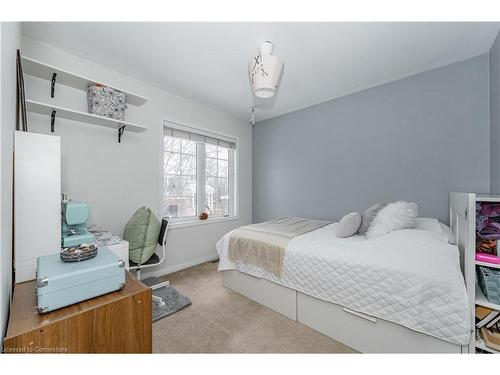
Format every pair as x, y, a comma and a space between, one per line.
114, 243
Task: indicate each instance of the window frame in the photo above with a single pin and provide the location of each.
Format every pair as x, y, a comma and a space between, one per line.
233, 165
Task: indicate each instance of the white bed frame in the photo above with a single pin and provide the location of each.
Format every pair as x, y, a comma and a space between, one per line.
361, 332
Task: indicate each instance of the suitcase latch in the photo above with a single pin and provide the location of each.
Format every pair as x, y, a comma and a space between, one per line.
121, 264
43, 309
42, 282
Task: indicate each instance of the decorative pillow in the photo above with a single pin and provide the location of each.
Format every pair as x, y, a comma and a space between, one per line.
435, 226
394, 216
368, 216
428, 224
142, 232
349, 225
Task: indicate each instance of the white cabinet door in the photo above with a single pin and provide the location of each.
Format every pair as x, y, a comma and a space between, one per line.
37, 200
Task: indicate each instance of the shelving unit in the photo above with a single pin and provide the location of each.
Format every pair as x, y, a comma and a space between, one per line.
53, 74
479, 297
42, 70
487, 198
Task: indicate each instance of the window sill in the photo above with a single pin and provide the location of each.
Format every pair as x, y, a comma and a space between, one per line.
192, 223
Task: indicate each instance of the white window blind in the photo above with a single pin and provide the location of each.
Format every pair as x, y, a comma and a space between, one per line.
197, 137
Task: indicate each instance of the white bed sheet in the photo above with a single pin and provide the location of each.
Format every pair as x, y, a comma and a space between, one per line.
410, 277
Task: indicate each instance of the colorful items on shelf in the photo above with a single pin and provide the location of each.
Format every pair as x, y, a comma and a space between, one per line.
486, 246
488, 220
487, 258
487, 327
491, 338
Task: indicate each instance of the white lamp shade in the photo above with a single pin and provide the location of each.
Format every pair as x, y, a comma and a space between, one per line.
266, 48
264, 73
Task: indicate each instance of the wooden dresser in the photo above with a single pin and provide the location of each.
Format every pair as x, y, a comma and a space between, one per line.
118, 322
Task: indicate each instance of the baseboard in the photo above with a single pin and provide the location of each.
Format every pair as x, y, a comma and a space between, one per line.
178, 267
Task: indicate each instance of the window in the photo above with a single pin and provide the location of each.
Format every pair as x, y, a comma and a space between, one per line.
198, 174
180, 177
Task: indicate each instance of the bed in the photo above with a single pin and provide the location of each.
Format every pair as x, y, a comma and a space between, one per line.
401, 292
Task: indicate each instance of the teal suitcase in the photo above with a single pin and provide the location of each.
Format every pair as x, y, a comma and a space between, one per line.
60, 284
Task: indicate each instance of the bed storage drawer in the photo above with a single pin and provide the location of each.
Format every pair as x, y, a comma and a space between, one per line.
363, 332
277, 297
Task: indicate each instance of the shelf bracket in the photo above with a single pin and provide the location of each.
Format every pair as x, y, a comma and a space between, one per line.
121, 130
52, 120
53, 84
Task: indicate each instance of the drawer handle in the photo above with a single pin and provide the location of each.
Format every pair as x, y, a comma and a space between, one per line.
361, 315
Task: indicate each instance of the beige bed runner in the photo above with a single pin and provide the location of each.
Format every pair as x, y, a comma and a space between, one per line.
264, 244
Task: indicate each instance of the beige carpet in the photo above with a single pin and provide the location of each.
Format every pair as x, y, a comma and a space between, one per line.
222, 321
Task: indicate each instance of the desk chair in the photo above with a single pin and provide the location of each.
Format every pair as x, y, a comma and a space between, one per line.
155, 260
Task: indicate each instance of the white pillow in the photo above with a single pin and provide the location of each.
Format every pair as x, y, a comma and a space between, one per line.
368, 216
394, 216
435, 226
429, 224
349, 225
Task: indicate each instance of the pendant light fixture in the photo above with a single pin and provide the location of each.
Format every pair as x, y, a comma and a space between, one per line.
264, 72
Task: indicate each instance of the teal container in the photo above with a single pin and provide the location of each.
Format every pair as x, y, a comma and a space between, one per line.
60, 284
489, 282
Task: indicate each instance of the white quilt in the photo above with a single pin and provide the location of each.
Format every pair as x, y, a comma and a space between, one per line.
410, 277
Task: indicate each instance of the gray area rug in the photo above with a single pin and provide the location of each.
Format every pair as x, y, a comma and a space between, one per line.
174, 301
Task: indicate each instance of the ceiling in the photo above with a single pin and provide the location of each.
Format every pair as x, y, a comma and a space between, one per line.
207, 62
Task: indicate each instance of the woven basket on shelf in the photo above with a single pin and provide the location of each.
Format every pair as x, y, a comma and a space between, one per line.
489, 282
107, 102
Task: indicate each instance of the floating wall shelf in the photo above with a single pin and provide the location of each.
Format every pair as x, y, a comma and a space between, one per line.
486, 264
39, 69
71, 114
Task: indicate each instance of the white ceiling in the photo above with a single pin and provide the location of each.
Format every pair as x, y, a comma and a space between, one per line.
207, 62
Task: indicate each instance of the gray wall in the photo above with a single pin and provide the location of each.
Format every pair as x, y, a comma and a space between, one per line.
495, 115
415, 139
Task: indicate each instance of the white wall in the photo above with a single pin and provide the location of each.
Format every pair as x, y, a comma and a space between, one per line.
10, 41
116, 179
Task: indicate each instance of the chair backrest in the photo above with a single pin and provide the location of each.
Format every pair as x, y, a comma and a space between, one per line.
162, 238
